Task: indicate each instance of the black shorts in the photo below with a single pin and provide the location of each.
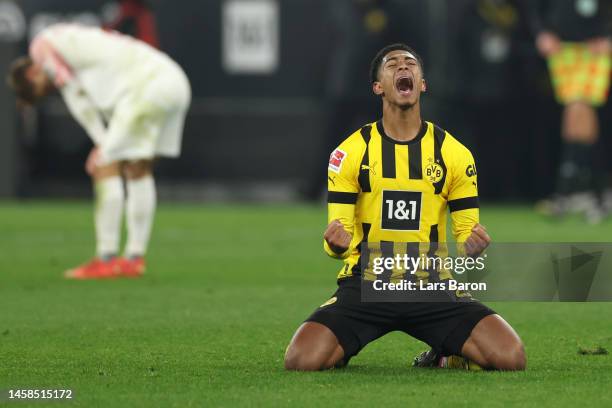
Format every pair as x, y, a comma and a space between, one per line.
445, 326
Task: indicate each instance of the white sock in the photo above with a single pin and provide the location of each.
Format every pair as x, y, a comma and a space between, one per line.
108, 211
140, 212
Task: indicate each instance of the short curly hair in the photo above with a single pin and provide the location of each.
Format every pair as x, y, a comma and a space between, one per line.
375, 65
17, 79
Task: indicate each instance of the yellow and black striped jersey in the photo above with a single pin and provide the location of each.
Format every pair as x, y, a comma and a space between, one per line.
383, 190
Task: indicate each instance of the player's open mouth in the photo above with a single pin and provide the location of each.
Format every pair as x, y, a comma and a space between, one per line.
404, 85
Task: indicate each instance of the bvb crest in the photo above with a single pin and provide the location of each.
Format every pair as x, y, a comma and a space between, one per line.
433, 171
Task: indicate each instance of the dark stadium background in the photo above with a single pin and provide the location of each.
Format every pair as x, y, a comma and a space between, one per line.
267, 137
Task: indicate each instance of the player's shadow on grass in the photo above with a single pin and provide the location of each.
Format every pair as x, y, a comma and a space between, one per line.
399, 369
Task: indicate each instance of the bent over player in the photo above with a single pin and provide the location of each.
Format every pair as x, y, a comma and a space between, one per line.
132, 100
401, 159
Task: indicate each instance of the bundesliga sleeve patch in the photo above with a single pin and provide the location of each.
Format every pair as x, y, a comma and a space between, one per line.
336, 159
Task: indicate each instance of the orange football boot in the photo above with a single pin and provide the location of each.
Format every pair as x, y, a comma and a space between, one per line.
95, 269
132, 267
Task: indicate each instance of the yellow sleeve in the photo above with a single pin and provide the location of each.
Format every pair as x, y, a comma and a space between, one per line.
463, 194
343, 188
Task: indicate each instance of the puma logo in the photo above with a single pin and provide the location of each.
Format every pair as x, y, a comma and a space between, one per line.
370, 168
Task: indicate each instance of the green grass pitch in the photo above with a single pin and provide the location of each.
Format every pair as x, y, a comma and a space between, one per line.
225, 290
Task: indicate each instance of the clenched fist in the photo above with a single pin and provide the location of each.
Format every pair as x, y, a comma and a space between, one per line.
336, 237
478, 241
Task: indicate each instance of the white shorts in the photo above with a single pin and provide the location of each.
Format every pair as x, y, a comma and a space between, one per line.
149, 123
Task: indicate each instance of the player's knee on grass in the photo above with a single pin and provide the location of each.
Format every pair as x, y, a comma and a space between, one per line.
305, 360
313, 347
493, 344
509, 358
302, 360
137, 169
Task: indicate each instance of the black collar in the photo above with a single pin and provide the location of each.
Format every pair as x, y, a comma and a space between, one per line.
419, 136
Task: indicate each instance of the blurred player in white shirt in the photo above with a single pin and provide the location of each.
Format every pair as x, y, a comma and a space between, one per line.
132, 101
